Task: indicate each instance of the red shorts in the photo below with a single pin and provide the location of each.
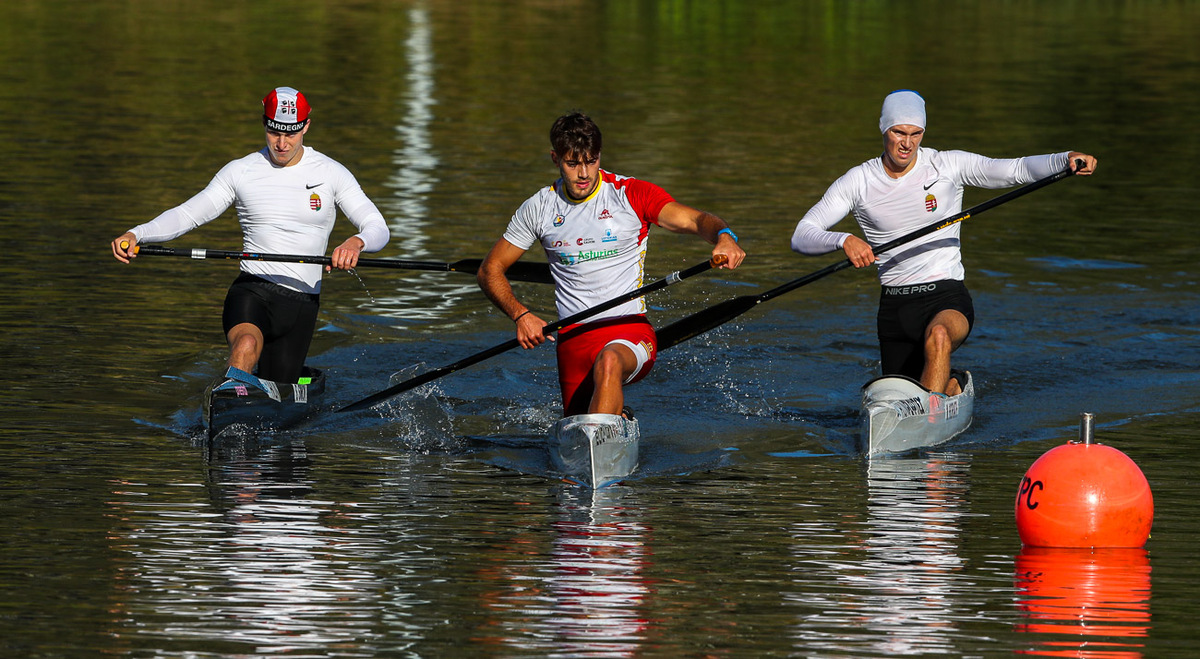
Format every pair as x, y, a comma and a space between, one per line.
580, 344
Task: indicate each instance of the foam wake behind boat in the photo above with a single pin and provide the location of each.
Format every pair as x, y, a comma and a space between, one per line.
898, 414
251, 409
595, 449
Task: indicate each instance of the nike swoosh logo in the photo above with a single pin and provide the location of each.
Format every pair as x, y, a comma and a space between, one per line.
926, 187
310, 187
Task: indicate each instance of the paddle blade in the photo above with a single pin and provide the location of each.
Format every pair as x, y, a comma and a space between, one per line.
537, 273
703, 321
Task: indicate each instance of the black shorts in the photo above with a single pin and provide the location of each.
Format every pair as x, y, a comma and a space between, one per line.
285, 317
904, 314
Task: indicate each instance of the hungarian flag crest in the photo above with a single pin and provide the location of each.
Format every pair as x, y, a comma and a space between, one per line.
315, 201
930, 203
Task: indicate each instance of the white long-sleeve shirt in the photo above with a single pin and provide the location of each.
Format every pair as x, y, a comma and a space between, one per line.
887, 208
287, 210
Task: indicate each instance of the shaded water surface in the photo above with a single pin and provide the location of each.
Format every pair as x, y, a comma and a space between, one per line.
434, 525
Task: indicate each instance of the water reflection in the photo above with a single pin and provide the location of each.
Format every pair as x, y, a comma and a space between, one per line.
412, 183
897, 582
261, 568
1087, 603
583, 597
415, 160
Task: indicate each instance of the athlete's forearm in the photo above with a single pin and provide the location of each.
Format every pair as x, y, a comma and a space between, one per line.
984, 172
810, 240
709, 226
497, 289
177, 221
813, 235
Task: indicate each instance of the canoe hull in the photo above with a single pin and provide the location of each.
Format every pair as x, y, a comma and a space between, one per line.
249, 409
898, 414
595, 450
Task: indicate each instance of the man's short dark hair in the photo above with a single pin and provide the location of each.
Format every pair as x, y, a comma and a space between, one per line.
575, 133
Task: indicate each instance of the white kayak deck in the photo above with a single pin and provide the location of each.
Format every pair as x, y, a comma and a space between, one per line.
898, 414
595, 450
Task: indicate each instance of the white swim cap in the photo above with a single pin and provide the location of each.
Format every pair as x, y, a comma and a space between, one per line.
903, 106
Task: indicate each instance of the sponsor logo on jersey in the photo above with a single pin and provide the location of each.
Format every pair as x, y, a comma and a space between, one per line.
605, 215
314, 185
558, 220
566, 258
930, 203
578, 242
608, 235
314, 202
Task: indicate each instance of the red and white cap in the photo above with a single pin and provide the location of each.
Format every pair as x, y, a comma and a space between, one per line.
285, 110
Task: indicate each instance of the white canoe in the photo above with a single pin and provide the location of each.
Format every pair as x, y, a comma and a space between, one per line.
595, 450
899, 414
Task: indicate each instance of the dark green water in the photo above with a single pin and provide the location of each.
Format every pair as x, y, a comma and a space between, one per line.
432, 528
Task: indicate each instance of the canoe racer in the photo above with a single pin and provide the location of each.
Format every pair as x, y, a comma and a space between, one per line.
593, 226
285, 194
925, 310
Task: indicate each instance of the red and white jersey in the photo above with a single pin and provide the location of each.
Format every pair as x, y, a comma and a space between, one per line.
596, 247
887, 208
282, 210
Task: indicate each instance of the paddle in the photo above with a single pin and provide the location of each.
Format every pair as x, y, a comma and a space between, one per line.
534, 272
430, 376
719, 314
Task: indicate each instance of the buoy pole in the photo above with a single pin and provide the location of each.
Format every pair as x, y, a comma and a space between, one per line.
1087, 428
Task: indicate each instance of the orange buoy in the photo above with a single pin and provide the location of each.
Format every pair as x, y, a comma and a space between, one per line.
1084, 494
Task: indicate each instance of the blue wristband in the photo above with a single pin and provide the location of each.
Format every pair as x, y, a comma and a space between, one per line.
728, 231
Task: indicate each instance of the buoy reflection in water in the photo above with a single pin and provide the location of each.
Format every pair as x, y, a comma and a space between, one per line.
1089, 603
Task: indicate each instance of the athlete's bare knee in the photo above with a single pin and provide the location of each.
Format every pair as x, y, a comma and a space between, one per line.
938, 339
607, 367
244, 350
243, 342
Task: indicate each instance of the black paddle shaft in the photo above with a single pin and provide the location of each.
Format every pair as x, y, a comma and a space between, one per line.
538, 273
430, 376
719, 314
